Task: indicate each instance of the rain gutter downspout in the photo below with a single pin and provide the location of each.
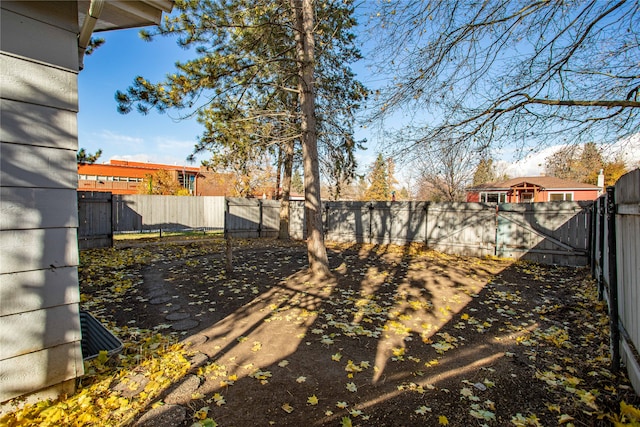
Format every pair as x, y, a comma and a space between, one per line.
90, 20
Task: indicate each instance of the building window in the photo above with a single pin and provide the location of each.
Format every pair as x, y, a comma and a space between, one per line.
556, 197
497, 197
526, 197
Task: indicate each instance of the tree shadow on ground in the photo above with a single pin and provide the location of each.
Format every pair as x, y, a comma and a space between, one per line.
399, 336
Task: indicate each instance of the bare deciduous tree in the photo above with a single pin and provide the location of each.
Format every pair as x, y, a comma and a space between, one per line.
446, 169
504, 72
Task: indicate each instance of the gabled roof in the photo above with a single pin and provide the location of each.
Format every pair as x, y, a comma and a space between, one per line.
543, 182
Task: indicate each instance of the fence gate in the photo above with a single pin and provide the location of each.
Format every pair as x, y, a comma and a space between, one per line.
250, 218
549, 233
95, 225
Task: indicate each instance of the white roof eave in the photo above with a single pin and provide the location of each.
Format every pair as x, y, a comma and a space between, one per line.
117, 15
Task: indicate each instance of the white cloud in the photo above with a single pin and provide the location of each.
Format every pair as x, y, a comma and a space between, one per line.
112, 137
628, 149
532, 165
174, 145
156, 158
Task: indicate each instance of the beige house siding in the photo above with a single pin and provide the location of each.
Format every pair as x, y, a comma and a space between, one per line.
39, 298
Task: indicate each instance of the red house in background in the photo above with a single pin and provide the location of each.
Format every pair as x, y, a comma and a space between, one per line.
532, 189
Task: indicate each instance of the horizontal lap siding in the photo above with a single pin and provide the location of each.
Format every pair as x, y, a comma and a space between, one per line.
38, 289
34, 371
39, 324
38, 124
28, 208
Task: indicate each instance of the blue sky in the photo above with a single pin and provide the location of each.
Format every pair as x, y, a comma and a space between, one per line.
162, 138
155, 137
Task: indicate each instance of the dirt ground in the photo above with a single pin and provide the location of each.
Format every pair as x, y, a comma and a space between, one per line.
400, 336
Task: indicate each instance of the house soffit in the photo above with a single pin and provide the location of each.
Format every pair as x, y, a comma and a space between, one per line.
118, 15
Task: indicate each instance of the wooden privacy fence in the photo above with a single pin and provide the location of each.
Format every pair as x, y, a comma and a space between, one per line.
550, 233
150, 212
615, 265
246, 218
101, 214
95, 220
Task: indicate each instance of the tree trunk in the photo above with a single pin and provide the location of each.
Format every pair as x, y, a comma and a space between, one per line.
285, 204
316, 251
278, 175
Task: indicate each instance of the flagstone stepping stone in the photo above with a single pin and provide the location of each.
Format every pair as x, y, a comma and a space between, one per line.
177, 316
195, 340
160, 300
198, 359
157, 293
171, 308
182, 393
131, 386
165, 415
185, 325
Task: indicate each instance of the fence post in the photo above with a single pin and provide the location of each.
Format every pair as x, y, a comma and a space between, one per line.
426, 224
592, 240
613, 280
326, 220
261, 206
113, 216
601, 246
370, 222
496, 225
228, 266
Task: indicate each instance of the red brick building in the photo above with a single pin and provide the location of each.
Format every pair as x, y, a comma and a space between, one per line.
532, 189
124, 177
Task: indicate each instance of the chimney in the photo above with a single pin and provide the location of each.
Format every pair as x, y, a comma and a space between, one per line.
601, 179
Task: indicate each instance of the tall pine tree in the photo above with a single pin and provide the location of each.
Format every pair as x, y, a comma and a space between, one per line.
252, 84
378, 188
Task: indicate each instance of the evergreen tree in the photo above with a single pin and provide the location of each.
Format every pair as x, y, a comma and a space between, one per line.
590, 163
378, 188
485, 172
82, 156
254, 81
296, 182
